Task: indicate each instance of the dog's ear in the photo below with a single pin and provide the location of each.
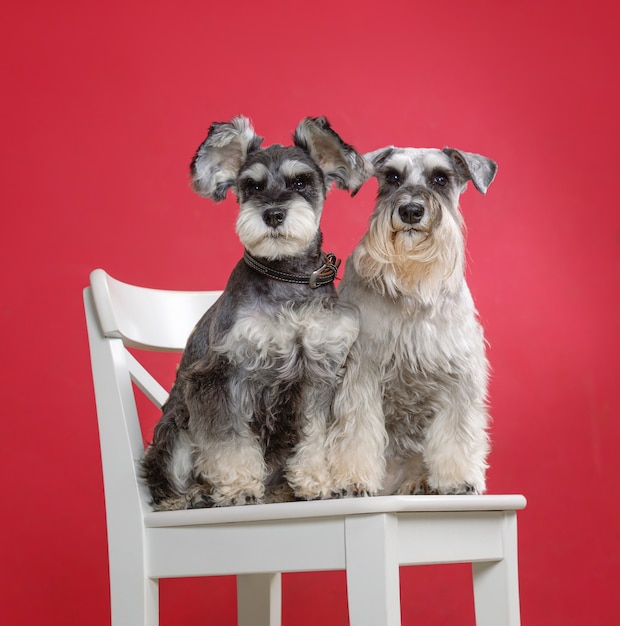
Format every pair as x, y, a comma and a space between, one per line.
340, 162
376, 158
219, 158
480, 170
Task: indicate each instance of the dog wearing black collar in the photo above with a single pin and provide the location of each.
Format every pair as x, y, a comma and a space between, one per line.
247, 416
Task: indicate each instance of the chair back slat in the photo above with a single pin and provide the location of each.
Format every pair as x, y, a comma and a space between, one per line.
145, 382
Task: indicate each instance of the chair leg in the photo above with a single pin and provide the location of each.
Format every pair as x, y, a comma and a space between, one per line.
496, 583
373, 577
134, 602
259, 600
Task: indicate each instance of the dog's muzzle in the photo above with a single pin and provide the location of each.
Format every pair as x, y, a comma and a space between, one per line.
411, 213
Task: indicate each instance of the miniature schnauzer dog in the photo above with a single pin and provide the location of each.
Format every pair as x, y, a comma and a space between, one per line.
410, 416
247, 416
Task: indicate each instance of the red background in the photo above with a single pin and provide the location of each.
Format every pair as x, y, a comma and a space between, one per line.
103, 105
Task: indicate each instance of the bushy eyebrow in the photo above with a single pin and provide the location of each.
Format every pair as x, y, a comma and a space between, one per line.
396, 162
257, 171
291, 168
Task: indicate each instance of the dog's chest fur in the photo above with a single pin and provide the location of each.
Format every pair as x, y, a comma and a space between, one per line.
276, 351
284, 343
419, 350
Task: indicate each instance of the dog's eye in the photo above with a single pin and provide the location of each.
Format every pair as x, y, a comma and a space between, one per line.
440, 179
299, 183
392, 177
253, 186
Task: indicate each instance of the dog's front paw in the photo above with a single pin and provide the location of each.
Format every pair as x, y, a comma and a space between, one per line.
194, 497
354, 478
309, 481
356, 491
458, 489
311, 490
461, 490
240, 499
416, 488
236, 496
355, 487
202, 502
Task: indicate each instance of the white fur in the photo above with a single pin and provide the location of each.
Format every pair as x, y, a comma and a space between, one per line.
296, 233
236, 469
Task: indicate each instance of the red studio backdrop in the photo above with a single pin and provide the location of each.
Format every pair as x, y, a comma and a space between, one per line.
103, 106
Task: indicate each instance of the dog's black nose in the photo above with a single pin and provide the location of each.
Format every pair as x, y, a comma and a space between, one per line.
273, 217
411, 213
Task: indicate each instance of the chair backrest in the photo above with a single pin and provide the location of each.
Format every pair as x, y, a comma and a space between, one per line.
153, 319
121, 316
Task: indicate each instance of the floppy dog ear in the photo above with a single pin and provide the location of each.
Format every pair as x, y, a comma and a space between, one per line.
218, 160
340, 162
376, 158
480, 170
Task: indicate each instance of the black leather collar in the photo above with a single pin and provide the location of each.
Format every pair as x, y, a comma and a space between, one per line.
323, 276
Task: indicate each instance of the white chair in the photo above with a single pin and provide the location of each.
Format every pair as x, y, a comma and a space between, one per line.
368, 537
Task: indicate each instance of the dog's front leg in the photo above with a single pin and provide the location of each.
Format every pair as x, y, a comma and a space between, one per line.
229, 459
327, 338
307, 471
234, 468
357, 438
456, 444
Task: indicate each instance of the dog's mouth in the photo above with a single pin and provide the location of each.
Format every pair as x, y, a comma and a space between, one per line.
276, 233
409, 237
410, 231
